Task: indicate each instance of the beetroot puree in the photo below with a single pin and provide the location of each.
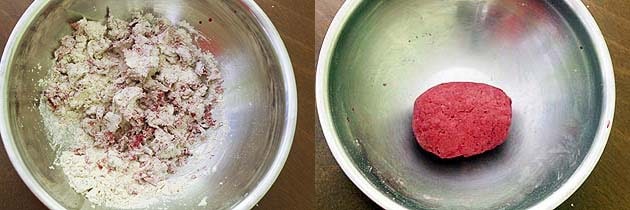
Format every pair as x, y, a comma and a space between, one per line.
461, 119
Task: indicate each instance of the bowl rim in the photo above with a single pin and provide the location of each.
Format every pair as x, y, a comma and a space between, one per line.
251, 198
553, 200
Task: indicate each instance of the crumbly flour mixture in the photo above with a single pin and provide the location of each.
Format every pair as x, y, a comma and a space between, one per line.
128, 104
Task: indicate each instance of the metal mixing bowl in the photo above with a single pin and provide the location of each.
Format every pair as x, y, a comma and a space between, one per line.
260, 97
548, 56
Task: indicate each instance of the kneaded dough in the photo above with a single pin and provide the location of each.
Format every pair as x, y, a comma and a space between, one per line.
461, 119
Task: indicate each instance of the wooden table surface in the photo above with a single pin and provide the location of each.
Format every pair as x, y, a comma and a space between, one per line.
608, 186
294, 187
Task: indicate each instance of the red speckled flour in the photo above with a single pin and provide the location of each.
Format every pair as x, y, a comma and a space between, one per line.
461, 119
128, 104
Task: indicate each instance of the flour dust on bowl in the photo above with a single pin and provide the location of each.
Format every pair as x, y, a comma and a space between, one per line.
231, 167
548, 57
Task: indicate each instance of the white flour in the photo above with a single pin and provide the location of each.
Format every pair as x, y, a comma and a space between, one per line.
108, 188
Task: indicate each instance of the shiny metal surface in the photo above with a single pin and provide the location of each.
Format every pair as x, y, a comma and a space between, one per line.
549, 57
260, 97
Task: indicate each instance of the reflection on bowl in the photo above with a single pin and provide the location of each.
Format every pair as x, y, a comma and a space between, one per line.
550, 58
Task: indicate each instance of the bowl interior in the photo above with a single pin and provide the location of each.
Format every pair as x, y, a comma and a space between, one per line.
255, 95
539, 53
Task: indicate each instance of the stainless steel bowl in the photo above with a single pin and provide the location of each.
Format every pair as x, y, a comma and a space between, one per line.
260, 97
548, 56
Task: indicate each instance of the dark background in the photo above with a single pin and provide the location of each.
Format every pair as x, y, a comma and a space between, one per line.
294, 187
608, 186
